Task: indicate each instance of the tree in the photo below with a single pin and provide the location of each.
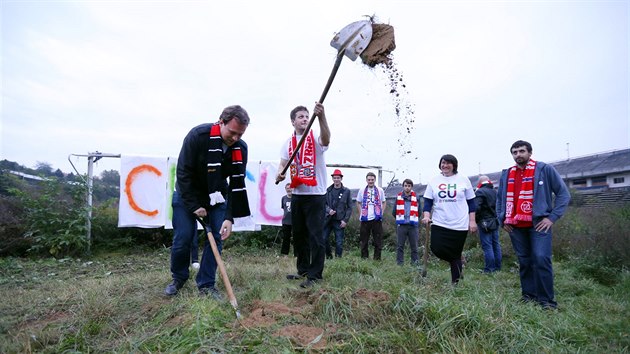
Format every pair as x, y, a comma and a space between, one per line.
110, 177
59, 174
44, 168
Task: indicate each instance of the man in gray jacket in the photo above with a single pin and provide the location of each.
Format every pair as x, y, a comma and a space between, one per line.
338, 211
526, 210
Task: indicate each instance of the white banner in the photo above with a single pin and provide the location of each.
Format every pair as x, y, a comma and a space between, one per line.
142, 191
147, 184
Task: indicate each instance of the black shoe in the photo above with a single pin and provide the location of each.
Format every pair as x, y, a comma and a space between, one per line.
173, 288
308, 283
213, 292
329, 256
295, 276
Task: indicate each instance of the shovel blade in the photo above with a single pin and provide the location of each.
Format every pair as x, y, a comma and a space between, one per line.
353, 39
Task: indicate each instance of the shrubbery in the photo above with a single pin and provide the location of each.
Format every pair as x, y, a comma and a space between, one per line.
54, 214
48, 218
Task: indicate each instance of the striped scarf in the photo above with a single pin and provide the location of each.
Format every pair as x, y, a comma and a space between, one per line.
232, 162
303, 166
525, 200
378, 213
413, 210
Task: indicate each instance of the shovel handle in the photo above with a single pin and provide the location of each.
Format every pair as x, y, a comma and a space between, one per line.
333, 73
425, 256
217, 257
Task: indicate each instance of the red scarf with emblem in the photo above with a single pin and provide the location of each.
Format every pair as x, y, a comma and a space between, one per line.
525, 200
303, 165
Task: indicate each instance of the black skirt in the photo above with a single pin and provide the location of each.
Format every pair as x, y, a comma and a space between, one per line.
447, 244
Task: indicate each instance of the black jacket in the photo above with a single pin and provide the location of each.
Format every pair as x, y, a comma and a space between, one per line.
192, 170
342, 206
486, 199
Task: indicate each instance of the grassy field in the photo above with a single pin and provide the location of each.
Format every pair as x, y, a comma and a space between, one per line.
114, 303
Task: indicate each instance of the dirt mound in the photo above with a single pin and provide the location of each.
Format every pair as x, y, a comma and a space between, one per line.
303, 336
265, 314
370, 296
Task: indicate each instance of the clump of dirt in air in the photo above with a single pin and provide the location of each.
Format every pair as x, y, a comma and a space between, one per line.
381, 45
379, 53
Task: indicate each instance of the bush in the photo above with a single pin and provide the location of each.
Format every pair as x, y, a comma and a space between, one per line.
55, 217
600, 235
12, 227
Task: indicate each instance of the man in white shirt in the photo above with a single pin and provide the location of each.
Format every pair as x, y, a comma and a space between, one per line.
371, 204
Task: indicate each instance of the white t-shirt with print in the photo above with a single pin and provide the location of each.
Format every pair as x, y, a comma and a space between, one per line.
320, 169
370, 199
449, 194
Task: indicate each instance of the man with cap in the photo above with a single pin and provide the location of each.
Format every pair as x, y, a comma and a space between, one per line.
338, 211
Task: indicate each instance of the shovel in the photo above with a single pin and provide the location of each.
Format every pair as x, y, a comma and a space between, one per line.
351, 41
224, 276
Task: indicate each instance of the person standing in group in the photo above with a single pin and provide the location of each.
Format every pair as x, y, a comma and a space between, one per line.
487, 224
371, 205
211, 154
452, 199
308, 180
406, 213
286, 222
338, 212
526, 209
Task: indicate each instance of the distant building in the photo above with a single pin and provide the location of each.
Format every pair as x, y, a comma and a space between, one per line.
599, 179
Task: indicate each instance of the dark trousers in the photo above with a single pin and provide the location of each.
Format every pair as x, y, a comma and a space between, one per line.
533, 249
307, 217
286, 240
184, 229
374, 227
334, 225
407, 232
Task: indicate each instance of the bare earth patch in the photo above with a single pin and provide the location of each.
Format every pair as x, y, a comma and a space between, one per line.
303, 336
370, 296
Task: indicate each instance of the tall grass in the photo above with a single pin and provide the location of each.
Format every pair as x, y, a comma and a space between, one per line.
114, 303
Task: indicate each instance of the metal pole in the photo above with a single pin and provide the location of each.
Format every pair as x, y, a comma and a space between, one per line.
90, 181
92, 158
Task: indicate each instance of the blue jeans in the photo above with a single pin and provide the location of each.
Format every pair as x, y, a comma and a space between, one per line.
533, 250
491, 250
334, 225
184, 229
404, 233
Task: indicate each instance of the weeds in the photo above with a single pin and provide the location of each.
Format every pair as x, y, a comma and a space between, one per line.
114, 303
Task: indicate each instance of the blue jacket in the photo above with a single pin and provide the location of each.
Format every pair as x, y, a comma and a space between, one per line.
546, 181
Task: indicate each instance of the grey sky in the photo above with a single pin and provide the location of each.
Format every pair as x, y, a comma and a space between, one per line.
133, 77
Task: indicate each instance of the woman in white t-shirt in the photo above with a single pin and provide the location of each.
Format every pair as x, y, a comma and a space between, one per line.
449, 204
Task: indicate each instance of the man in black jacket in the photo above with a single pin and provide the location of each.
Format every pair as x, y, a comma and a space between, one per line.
338, 211
211, 154
486, 218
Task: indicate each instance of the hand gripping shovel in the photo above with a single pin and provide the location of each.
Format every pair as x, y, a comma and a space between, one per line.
351, 41
224, 276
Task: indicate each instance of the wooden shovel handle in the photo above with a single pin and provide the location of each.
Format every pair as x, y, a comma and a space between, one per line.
217, 257
310, 122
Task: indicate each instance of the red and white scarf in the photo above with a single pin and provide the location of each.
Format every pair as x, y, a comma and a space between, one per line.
413, 210
525, 200
303, 165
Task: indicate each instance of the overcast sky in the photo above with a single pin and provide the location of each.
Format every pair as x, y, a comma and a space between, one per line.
133, 77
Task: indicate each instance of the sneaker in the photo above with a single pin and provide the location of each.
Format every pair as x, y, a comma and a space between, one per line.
295, 276
213, 292
173, 288
195, 265
308, 283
